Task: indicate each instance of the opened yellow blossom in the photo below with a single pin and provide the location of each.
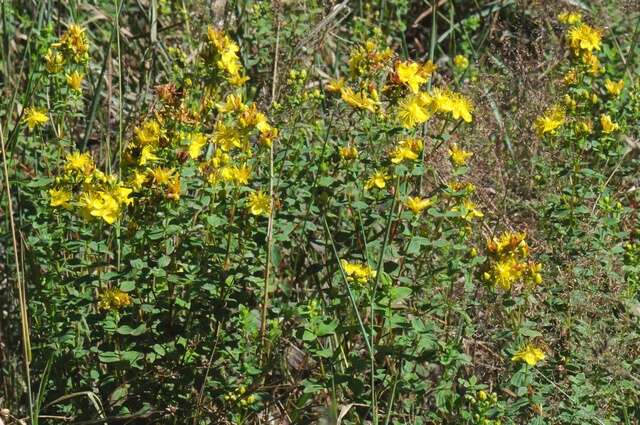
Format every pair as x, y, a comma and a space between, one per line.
59, 198
149, 132
614, 87
584, 37
417, 204
358, 100
459, 156
410, 75
197, 142
357, 273
232, 103
162, 175
81, 162
414, 110
530, 354
74, 80
378, 179
469, 210
608, 126
35, 117
406, 150
259, 203
102, 205
454, 103
147, 155
550, 121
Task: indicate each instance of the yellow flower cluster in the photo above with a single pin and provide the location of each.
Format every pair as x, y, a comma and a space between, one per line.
73, 48
114, 299
583, 40
93, 193
368, 59
403, 88
226, 56
358, 273
509, 262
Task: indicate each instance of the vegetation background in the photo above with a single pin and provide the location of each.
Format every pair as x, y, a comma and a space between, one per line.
293, 255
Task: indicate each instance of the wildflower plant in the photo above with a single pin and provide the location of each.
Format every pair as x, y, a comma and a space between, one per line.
302, 218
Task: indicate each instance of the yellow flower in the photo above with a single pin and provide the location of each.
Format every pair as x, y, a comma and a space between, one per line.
122, 193
614, 88
584, 37
505, 273
161, 175
357, 273
238, 80
76, 41
427, 69
608, 126
459, 156
230, 62
358, 100
593, 62
550, 121
35, 117
241, 174
232, 103
54, 61
470, 209
114, 299
348, 153
227, 137
259, 203
529, 354
410, 75
148, 133
461, 62
198, 141
570, 18
81, 162
378, 179
74, 80
454, 103
416, 204
137, 180
59, 198
102, 205
146, 155
414, 110
462, 108
406, 150
335, 86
